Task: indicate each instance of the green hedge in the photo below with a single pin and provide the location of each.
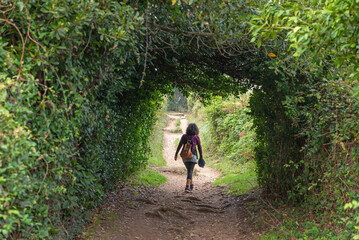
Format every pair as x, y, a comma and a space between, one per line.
71, 119
231, 127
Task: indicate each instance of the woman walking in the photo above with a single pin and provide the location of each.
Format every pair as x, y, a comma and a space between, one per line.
192, 136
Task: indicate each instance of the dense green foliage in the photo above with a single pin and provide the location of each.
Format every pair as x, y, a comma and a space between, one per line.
231, 127
219, 57
70, 111
228, 137
81, 82
305, 92
79, 94
319, 76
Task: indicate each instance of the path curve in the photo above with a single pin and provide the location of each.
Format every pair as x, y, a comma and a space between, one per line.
167, 212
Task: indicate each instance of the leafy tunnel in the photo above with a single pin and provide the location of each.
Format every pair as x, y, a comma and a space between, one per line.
81, 82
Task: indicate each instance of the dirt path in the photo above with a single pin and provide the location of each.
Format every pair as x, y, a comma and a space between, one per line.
167, 212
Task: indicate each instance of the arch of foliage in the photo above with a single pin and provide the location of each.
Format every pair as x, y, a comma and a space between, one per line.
320, 49
81, 82
73, 120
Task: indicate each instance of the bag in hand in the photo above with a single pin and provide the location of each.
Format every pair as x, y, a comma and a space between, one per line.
201, 163
187, 150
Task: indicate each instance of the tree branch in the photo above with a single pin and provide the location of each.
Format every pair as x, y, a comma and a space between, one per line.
186, 33
22, 41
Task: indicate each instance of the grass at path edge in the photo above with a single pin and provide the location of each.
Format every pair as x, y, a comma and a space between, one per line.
148, 177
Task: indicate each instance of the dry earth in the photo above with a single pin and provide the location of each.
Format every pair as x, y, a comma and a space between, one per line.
167, 212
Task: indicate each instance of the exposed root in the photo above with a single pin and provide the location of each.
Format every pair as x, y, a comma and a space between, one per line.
194, 199
226, 206
208, 210
175, 211
145, 200
155, 214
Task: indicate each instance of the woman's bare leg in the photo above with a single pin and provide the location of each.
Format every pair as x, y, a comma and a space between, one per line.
189, 182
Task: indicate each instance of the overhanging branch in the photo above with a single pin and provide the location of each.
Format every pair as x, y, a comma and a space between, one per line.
185, 33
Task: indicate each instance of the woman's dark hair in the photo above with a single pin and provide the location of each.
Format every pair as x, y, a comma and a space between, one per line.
192, 129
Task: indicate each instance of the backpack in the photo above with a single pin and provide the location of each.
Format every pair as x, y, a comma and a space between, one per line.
187, 150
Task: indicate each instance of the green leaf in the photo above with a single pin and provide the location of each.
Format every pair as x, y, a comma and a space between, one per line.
296, 29
16, 212
21, 5
299, 52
